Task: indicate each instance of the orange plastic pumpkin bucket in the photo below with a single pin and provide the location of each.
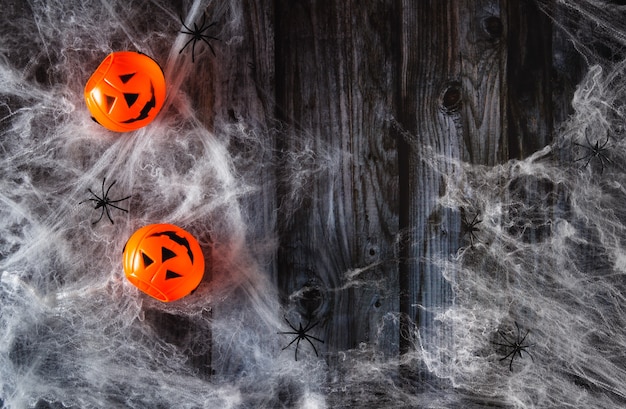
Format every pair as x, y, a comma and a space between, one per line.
164, 261
126, 92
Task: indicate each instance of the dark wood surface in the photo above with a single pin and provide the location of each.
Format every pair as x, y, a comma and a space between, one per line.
364, 96
357, 99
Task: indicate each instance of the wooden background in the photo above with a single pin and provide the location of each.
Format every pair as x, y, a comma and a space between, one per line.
388, 83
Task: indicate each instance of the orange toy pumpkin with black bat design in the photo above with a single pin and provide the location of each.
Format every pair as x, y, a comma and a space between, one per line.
126, 92
164, 261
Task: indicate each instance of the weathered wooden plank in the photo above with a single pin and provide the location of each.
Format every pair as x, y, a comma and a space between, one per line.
251, 110
450, 89
529, 76
234, 91
338, 196
474, 85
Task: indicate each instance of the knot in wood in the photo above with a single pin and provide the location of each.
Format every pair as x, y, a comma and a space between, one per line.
450, 99
311, 300
493, 27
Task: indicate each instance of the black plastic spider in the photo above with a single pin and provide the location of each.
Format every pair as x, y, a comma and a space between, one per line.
517, 346
301, 334
197, 34
595, 151
104, 201
469, 227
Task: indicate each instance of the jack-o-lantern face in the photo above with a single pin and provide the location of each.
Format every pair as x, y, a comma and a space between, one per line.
164, 261
126, 91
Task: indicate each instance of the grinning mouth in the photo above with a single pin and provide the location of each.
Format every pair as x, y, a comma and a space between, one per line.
145, 110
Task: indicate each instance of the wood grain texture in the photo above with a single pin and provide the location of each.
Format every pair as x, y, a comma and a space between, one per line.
334, 93
358, 101
450, 92
475, 87
529, 98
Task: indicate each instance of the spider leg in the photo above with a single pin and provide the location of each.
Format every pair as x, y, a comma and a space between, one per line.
292, 341
110, 186
309, 341
100, 218
588, 157
596, 148
585, 147
297, 345
315, 338
193, 50
203, 29
528, 353
209, 44
184, 25
601, 164
95, 197
106, 209
292, 327
117, 207
503, 345
505, 339
102, 189
509, 354
587, 139
605, 142
602, 159
473, 223
119, 200
90, 200
110, 203
309, 326
186, 44
512, 355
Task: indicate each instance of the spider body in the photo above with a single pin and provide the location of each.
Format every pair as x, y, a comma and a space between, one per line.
301, 335
469, 227
516, 347
197, 34
103, 202
597, 151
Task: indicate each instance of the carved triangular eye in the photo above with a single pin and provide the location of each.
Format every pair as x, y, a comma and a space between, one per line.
109, 101
166, 254
169, 274
146, 260
126, 77
130, 98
